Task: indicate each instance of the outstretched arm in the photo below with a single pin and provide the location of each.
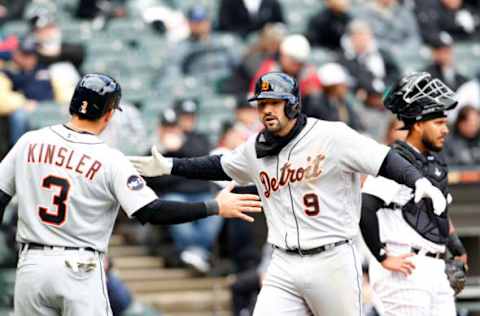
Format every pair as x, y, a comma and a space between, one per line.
226, 204
204, 168
396, 168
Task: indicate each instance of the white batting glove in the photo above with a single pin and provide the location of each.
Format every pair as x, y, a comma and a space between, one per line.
425, 189
152, 166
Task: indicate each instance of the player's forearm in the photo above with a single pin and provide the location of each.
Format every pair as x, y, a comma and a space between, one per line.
204, 168
161, 212
4, 200
369, 225
398, 169
455, 245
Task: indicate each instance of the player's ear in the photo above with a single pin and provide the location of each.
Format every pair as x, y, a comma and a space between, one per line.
418, 127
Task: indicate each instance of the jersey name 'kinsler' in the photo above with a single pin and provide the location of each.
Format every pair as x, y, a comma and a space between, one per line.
310, 191
61, 156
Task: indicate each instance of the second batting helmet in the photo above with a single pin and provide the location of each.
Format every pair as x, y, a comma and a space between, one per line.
94, 95
419, 97
278, 85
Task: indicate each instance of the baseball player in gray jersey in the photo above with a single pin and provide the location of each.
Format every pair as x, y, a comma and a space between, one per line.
70, 186
307, 172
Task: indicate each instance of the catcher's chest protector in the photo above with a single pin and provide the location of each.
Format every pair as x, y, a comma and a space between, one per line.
420, 216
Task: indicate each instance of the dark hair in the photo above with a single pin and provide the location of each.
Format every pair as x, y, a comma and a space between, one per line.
463, 116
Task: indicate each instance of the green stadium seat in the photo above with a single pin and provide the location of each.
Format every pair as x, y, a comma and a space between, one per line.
15, 28
47, 113
320, 56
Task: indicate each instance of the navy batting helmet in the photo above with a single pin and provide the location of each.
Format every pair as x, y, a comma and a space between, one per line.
419, 97
94, 95
278, 85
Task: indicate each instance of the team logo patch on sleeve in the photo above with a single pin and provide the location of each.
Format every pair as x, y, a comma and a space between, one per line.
135, 183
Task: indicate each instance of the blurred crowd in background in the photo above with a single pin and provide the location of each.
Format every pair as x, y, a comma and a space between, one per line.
187, 67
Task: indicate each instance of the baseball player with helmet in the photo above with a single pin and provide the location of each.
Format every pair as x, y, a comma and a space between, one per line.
307, 172
70, 186
409, 240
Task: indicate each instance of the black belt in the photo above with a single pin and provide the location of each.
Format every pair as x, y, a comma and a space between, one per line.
36, 246
312, 251
436, 255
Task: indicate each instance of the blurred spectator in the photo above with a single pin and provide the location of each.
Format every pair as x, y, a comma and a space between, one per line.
293, 60
467, 94
240, 235
202, 55
451, 16
12, 10
246, 118
187, 110
394, 131
90, 9
462, 147
334, 103
392, 24
51, 45
119, 296
374, 115
327, 27
22, 84
193, 241
127, 132
246, 16
246, 284
443, 66
364, 60
266, 46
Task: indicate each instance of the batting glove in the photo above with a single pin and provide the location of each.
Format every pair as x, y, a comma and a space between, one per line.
152, 166
425, 189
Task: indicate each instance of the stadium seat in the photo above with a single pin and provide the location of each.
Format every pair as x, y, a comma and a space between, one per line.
47, 113
15, 28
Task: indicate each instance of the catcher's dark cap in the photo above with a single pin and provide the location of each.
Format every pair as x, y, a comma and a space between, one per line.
443, 39
197, 13
186, 106
28, 45
168, 118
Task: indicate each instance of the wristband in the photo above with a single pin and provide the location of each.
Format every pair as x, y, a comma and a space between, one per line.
212, 207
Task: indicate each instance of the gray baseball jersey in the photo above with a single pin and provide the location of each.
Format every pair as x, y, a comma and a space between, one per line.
70, 186
311, 190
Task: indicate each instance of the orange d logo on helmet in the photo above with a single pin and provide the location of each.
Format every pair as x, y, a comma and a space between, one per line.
265, 86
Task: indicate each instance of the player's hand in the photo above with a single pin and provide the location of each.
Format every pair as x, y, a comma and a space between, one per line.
152, 166
425, 189
232, 205
399, 264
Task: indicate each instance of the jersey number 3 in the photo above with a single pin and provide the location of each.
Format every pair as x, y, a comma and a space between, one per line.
55, 217
311, 203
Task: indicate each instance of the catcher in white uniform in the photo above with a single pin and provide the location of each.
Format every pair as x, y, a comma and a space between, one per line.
307, 172
409, 240
70, 186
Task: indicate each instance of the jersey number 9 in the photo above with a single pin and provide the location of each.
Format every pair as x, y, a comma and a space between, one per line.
312, 205
55, 217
